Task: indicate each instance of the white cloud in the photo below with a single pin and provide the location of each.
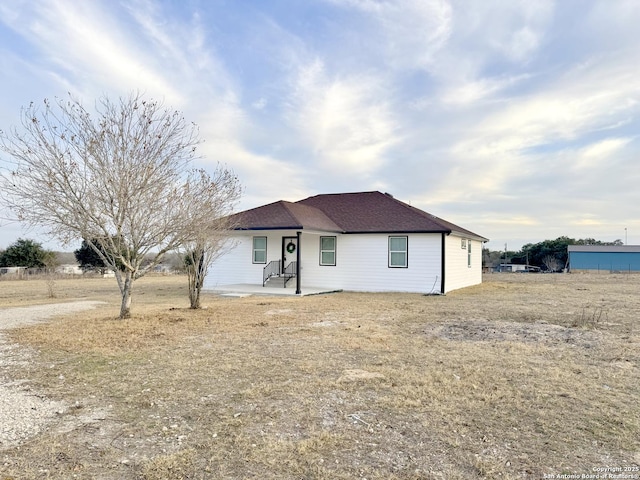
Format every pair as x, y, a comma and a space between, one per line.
411, 32
260, 104
588, 99
87, 42
264, 178
474, 91
600, 154
345, 119
563, 146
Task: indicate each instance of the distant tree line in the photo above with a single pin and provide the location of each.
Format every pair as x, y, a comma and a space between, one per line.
90, 261
549, 255
29, 253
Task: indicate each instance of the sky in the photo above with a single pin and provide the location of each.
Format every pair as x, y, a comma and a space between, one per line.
517, 120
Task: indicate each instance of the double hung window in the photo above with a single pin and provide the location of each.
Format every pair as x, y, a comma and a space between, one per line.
259, 249
328, 251
398, 252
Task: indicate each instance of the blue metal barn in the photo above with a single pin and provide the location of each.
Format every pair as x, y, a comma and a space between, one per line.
604, 258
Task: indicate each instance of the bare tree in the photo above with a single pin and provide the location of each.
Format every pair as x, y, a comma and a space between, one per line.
121, 180
552, 263
200, 255
208, 244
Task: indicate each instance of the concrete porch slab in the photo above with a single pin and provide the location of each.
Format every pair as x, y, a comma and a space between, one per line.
246, 289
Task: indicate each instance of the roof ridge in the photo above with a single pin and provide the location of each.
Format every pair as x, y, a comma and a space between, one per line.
285, 205
339, 194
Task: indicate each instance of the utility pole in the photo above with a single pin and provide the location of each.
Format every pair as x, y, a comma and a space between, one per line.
505, 255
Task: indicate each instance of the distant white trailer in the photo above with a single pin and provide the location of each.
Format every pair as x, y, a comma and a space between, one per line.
18, 271
516, 267
69, 269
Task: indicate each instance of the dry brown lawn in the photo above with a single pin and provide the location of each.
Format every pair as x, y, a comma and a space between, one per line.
520, 377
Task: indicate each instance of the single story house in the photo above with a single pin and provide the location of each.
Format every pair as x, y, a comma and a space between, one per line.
604, 258
367, 241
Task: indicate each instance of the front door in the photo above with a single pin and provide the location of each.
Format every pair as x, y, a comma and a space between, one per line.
289, 251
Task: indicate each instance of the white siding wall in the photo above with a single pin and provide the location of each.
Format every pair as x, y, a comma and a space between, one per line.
362, 264
458, 273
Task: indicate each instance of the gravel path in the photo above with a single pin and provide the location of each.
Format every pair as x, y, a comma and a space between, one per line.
23, 412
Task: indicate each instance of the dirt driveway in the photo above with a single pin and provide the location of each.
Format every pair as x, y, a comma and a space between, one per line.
23, 412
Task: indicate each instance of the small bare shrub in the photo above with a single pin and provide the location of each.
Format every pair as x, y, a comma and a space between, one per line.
51, 285
590, 317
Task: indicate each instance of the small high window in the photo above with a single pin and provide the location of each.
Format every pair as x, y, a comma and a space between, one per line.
328, 251
398, 252
259, 249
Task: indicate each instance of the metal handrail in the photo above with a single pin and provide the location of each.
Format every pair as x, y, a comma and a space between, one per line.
289, 272
270, 270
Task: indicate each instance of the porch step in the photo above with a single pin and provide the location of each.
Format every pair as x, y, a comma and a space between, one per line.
278, 282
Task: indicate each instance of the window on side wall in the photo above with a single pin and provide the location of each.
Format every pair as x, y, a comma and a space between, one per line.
398, 252
328, 251
259, 249
469, 254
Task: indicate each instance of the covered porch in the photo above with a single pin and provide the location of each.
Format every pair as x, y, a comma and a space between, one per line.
247, 289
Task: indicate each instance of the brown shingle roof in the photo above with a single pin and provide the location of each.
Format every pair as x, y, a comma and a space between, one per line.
284, 215
363, 212
369, 212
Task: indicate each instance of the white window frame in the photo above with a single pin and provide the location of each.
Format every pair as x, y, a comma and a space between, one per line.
469, 254
463, 244
333, 250
405, 251
255, 250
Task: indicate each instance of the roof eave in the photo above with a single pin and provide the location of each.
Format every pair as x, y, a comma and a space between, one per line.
294, 227
299, 227
397, 231
472, 235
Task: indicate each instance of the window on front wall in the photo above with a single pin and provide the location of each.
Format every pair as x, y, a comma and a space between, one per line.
328, 251
259, 249
469, 253
398, 252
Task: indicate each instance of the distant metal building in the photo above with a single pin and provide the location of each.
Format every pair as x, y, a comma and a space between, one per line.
604, 258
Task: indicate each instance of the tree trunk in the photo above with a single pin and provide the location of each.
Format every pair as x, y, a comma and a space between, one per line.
195, 272
194, 298
125, 307
194, 289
